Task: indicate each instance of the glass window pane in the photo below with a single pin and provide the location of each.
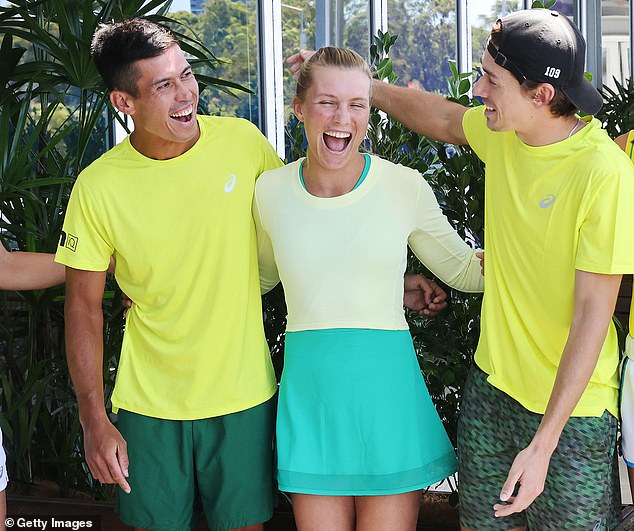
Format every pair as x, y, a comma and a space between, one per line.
229, 30
356, 26
615, 41
426, 41
298, 32
483, 14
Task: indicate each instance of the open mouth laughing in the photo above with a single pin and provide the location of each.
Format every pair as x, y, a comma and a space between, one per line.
185, 115
337, 141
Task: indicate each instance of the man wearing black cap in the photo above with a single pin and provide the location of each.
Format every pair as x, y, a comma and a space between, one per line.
538, 417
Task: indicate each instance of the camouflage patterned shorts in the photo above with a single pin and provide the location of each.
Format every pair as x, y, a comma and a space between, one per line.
582, 486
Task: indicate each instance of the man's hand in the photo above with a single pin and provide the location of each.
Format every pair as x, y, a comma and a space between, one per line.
423, 296
297, 60
529, 469
126, 302
480, 255
106, 454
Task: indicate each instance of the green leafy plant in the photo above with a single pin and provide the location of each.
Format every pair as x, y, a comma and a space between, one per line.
617, 113
445, 345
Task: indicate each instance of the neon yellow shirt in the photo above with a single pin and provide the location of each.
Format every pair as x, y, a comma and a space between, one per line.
549, 211
302, 235
183, 237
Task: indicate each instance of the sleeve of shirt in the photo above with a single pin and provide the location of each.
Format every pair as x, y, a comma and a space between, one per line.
437, 245
269, 276
269, 157
84, 243
605, 236
476, 131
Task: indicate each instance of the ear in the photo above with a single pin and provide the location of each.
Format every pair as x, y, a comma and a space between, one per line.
297, 109
123, 102
543, 94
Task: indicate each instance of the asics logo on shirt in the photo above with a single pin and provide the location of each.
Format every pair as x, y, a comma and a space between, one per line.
547, 201
231, 183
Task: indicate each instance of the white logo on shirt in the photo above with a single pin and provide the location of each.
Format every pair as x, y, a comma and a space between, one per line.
547, 201
231, 183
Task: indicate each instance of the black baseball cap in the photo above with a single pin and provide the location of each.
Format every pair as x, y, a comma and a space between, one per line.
544, 46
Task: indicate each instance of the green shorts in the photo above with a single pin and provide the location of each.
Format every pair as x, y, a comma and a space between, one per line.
221, 465
581, 490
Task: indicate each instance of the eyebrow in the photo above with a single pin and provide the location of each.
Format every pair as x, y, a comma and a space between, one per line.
328, 95
163, 79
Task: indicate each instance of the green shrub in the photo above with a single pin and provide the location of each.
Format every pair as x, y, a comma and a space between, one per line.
445, 345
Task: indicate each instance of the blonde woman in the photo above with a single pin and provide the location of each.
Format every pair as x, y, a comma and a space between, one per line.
358, 436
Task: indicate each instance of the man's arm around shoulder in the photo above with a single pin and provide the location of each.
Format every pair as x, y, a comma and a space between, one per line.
426, 113
105, 448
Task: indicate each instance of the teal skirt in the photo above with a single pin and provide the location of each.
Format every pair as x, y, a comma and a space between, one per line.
355, 417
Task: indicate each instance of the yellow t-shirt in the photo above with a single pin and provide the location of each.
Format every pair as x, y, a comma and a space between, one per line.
549, 211
183, 237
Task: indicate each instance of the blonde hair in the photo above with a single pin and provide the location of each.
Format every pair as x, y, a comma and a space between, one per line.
329, 56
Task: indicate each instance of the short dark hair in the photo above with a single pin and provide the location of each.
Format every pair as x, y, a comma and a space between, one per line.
560, 105
116, 47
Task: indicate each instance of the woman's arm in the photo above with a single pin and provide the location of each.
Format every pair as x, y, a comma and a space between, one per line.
437, 245
269, 276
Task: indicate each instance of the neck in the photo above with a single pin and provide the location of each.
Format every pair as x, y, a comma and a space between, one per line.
154, 147
550, 130
332, 182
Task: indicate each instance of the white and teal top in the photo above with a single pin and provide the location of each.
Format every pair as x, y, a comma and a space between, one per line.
342, 259
354, 416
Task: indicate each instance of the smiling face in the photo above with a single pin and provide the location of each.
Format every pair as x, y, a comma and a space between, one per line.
335, 110
164, 109
508, 107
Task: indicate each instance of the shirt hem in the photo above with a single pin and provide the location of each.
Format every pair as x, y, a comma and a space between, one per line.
216, 412
595, 411
329, 326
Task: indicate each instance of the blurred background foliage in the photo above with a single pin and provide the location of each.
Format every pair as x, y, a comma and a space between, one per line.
445, 345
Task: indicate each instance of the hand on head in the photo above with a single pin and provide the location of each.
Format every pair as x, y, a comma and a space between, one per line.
296, 61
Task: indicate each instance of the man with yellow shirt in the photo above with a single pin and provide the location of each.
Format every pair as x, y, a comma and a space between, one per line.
538, 418
194, 386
